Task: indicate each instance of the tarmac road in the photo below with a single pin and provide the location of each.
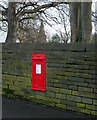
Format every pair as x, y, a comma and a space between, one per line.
12, 108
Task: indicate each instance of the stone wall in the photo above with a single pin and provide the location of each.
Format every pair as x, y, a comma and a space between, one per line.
71, 77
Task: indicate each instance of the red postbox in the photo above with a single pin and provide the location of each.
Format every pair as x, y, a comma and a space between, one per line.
38, 71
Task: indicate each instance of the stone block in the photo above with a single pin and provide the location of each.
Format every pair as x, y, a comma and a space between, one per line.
90, 81
62, 77
81, 110
50, 88
94, 113
61, 106
60, 96
55, 90
84, 94
18, 92
56, 85
53, 80
81, 84
55, 100
67, 102
85, 89
85, 111
65, 91
95, 90
80, 105
50, 84
74, 98
73, 87
20, 78
87, 100
75, 47
63, 81
69, 74
91, 107
44, 98
38, 96
76, 79
91, 85
95, 102
50, 94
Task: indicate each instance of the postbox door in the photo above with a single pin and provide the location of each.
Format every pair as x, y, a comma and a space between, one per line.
38, 74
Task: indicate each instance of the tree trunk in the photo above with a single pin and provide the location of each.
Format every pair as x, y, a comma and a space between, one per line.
86, 22
11, 35
74, 20
80, 20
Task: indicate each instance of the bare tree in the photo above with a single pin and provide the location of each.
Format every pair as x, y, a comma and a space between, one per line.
65, 21
30, 34
19, 12
80, 19
12, 24
74, 20
80, 14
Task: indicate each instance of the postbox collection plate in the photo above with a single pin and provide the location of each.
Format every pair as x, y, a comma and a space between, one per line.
38, 68
38, 71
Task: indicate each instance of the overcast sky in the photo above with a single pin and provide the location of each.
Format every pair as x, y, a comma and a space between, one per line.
49, 30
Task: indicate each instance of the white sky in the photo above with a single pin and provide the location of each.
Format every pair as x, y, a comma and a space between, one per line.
49, 30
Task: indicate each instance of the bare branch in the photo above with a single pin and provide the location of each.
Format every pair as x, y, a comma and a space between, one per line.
2, 19
45, 6
1, 6
4, 13
30, 17
50, 17
25, 5
94, 14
